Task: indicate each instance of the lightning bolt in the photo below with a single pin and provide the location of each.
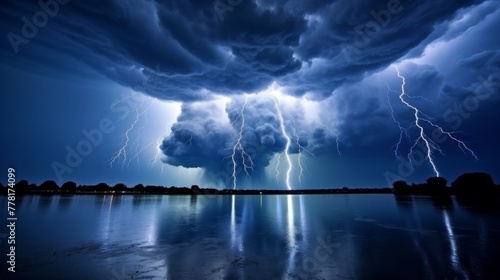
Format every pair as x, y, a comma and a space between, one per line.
301, 148
423, 118
121, 154
136, 155
288, 142
158, 154
276, 168
141, 116
190, 141
428, 142
118, 102
420, 97
139, 134
245, 157
402, 130
460, 143
337, 140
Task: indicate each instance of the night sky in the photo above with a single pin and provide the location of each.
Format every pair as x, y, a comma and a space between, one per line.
188, 92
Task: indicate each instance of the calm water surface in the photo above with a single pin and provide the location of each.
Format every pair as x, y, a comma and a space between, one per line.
251, 237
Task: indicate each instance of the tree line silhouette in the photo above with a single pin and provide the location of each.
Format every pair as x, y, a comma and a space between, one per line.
51, 187
474, 184
70, 187
466, 184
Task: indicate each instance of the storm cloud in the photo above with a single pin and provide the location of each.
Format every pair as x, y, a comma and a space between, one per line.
189, 50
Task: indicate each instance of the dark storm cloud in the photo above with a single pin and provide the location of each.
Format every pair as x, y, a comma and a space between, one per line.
182, 50
348, 39
364, 119
489, 59
205, 134
199, 138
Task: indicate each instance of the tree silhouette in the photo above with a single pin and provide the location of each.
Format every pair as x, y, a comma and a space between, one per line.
474, 183
401, 187
138, 188
195, 189
21, 186
102, 187
120, 187
437, 185
69, 186
48, 185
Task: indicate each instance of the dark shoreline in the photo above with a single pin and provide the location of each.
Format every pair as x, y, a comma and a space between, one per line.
468, 184
188, 191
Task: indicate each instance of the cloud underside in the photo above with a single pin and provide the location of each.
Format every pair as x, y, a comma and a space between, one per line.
190, 50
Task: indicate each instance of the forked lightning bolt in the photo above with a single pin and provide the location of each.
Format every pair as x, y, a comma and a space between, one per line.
121, 154
139, 134
428, 143
288, 142
402, 130
277, 167
158, 154
299, 157
423, 118
156, 158
246, 160
337, 140
136, 155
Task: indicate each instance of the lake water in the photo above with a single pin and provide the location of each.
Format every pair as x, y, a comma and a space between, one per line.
251, 237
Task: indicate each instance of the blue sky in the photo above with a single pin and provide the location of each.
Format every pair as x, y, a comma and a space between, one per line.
247, 94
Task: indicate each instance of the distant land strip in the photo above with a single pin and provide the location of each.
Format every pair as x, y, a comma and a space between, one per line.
466, 184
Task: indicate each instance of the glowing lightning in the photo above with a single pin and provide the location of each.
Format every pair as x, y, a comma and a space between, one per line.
299, 157
423, 118
136, 156
141, 111
239, 147
337, 141
122, 152
288, 142
158, 154
428, 143
402, 130
139, 134
276, 169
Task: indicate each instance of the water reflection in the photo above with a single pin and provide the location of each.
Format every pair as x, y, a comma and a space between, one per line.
454, 254
290, 223
465, 235
65, 201
258, 237
44, 202
236, 236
